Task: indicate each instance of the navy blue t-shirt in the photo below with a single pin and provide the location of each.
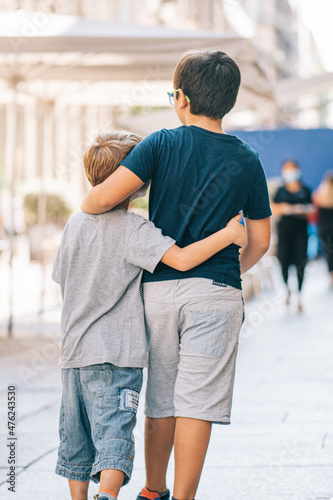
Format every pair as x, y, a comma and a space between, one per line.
199, 181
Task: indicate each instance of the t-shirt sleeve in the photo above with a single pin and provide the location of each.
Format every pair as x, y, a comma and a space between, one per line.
142, 159
257, 205
146, 245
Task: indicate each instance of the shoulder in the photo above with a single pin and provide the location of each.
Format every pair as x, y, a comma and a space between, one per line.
75, 220
119, 217
148, 146
142, 230
158, 142
244, 152
82, 220
76, 217
135, 221
71, 230
126, 222
243, 144
165, 135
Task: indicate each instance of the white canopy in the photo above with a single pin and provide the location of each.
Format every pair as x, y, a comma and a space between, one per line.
29, 32
55, 48
71, 48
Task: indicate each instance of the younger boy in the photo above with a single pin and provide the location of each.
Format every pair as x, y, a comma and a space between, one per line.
103, 342
200, 176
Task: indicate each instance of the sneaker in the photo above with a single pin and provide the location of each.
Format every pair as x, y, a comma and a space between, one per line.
152, 495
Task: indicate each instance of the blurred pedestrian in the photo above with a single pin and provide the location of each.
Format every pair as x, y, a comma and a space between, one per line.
292, 202
323, 200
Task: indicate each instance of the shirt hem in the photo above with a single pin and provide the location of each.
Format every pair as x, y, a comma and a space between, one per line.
172, 276
90, 362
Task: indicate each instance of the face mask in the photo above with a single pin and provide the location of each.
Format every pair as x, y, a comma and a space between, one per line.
291, 175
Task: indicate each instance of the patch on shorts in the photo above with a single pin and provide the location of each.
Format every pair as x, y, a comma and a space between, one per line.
128, 400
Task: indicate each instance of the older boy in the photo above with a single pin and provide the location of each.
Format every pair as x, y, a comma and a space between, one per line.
199, 177
103, 343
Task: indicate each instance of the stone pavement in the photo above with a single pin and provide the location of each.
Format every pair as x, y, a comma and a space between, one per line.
280, 443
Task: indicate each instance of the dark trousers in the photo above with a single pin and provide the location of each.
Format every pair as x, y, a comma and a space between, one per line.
292, 248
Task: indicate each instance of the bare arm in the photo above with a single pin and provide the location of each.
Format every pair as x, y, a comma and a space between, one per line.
191, 256
116, 188
258, 240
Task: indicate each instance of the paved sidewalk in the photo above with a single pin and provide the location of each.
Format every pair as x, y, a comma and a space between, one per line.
280, 443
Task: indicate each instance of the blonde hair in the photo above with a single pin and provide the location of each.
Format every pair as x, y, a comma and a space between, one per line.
102, 158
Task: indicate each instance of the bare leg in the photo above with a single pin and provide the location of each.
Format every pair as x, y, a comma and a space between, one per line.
111, 480
159, 435
78, 489
191, 443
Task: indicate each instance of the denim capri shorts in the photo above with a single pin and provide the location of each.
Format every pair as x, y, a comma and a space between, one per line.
97, 418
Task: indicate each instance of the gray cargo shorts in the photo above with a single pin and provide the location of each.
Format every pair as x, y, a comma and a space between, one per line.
193, 327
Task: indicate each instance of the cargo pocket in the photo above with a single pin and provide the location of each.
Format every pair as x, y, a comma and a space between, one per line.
206, 332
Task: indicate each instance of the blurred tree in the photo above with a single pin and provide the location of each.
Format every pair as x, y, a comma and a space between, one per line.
57, 211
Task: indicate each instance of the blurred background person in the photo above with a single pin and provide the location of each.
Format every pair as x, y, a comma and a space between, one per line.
323, 200
292, 203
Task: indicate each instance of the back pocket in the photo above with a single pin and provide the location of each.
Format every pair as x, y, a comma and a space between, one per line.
206, 332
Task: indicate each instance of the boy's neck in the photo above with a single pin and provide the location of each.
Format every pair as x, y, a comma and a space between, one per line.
204, 122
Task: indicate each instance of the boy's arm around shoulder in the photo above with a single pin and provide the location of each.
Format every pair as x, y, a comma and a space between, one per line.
258, 241
116, 188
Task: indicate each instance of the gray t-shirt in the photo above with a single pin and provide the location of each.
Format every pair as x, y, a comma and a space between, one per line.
99, 268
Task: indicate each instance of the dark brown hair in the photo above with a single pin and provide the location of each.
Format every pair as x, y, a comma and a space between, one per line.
210, 79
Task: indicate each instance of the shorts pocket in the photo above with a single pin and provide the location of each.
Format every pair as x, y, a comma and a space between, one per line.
206, 332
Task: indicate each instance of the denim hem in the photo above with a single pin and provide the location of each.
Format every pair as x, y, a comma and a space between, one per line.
75, 476
125, 466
